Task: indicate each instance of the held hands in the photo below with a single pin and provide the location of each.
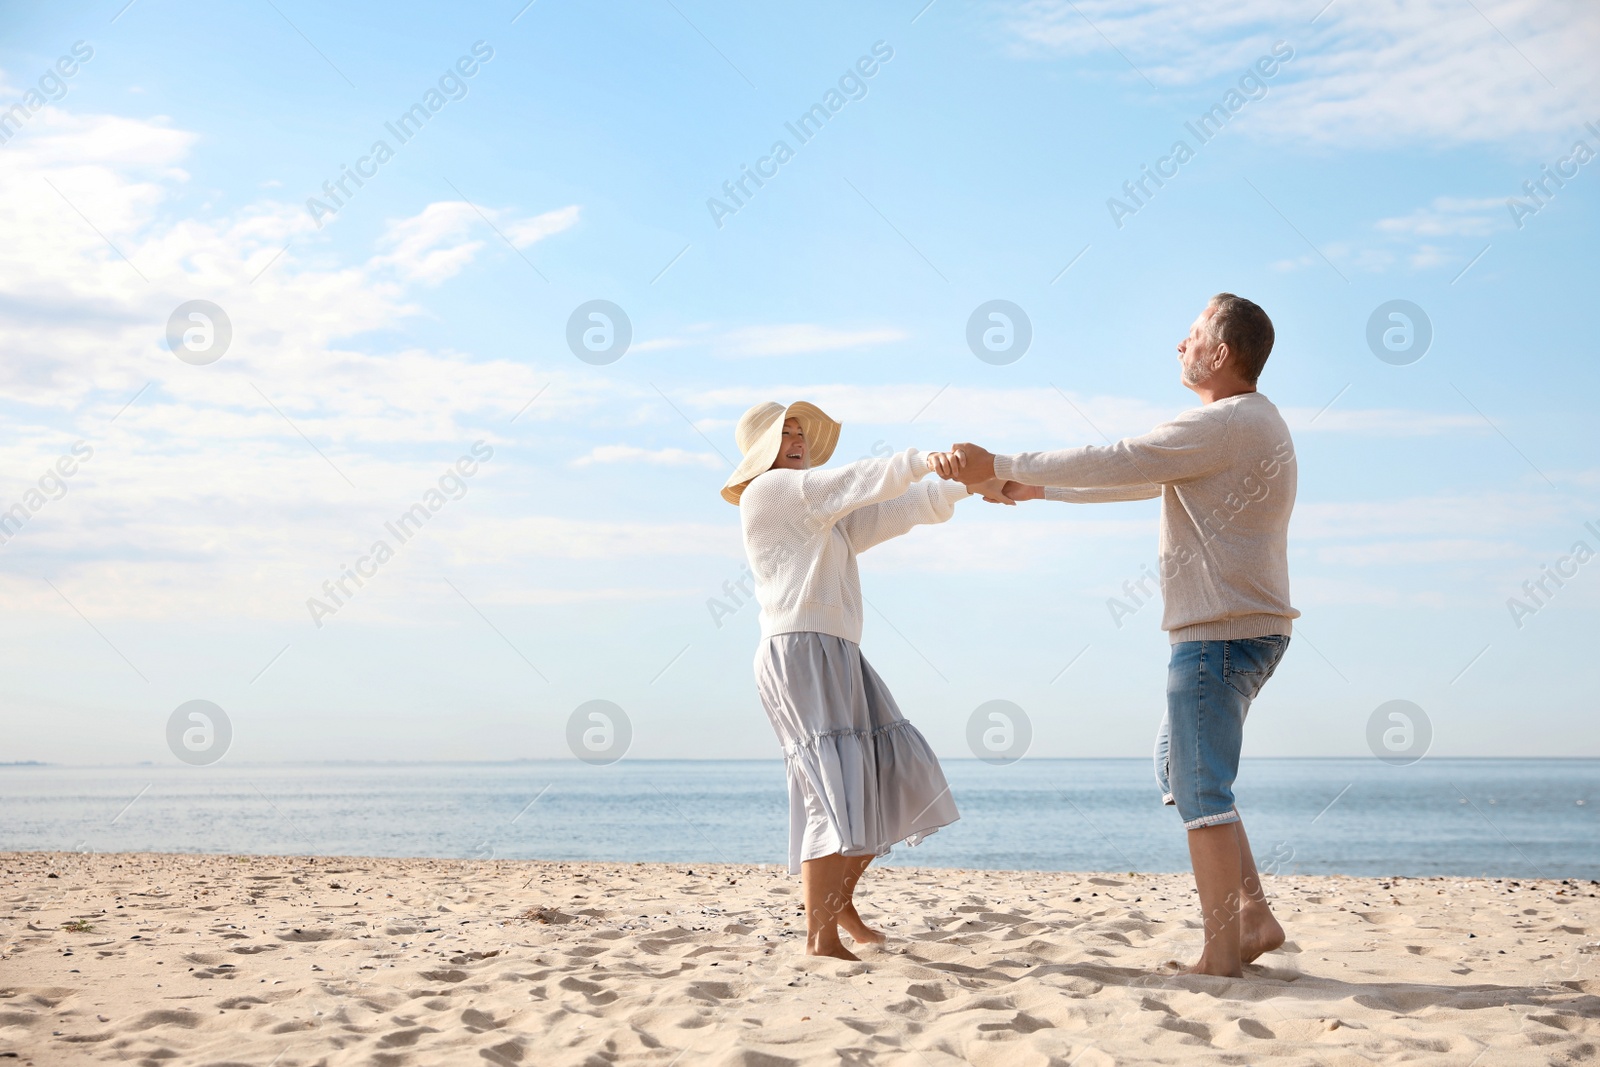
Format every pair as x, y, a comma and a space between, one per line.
973, 466
997, 491
993, 491
967, 463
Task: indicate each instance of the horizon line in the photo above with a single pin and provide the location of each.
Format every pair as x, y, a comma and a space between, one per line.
151, 764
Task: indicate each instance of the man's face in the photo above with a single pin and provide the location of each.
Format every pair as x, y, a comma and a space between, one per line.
1198, 351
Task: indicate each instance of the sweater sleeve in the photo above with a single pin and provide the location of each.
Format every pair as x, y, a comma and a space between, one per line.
1110, 495
831, 494
922, 503
1190, 446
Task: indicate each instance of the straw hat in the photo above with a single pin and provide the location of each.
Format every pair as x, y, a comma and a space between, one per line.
760, 436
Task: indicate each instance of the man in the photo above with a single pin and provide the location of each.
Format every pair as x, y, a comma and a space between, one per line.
1225, 472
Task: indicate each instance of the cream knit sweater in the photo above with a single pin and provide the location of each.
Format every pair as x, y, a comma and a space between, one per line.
803, 529
1225, 473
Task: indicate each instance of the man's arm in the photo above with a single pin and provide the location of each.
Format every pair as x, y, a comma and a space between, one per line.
1112, 495
1190, 446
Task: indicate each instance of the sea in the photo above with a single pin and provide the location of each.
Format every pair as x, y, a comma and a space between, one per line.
1505, 818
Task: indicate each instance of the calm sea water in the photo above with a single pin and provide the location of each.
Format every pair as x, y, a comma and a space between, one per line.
1509, 818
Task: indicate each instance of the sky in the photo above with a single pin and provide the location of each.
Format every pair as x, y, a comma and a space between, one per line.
359, 348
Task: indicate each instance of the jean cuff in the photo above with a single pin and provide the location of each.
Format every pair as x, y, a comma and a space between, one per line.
1231, 815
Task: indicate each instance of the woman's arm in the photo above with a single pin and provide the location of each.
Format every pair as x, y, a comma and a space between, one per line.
831, 494
925, 502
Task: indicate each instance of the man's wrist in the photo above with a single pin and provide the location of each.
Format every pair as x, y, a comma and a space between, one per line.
1002, 469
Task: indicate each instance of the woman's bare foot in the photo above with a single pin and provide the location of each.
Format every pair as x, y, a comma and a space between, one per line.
825, 888
1259, 933
834, 949
860, 932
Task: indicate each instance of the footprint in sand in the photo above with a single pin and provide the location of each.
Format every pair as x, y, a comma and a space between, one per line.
479, 1021
1021, 1023
405, 1038
451, 976
929, 991
506, 1054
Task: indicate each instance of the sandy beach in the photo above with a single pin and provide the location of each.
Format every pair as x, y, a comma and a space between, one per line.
182, 959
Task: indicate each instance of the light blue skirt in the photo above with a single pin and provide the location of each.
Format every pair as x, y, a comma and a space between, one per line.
861, 778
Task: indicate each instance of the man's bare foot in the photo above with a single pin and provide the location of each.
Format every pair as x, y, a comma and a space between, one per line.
860, 932
1259, 934
836, 950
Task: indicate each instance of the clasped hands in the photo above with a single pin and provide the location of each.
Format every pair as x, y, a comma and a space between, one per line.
973, 466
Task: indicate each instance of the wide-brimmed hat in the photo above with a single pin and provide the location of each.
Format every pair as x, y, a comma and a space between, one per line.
760, 436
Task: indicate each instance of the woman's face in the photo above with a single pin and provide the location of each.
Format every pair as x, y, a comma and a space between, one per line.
792, 453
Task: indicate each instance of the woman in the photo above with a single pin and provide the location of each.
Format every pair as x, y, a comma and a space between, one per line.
861, 778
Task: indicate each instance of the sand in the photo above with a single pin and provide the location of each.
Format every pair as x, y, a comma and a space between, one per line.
176, 960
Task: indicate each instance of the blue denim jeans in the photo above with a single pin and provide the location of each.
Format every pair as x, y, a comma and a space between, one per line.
1210, 685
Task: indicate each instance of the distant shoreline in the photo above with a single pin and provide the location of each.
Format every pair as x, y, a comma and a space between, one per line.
567, 761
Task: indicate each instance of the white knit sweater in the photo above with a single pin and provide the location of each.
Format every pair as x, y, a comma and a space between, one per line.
803, 529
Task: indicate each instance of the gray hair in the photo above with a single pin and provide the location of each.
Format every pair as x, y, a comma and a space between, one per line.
1245, 329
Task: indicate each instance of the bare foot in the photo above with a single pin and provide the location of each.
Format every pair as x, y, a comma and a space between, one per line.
1259, 934
1216, 970
836, 950
860, 932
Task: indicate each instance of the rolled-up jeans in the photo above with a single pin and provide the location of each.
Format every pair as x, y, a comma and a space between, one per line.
1210, 685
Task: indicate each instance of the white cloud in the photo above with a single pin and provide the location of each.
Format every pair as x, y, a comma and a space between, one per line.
203, 496
1442, 518
1450, 216
940, 411
525, 232
544, 597
1380, 422
1044, 417
1350, 257
430, 246
795, 338
1026, 539
1429, 256
662, 457
1294, 263
1411, 238
1397, 553
1590, 478
433, 245
658, 344
775, 339
552, 537
1392, 72
1311, 591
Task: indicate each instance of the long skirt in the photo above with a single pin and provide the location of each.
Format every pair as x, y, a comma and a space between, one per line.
861, 778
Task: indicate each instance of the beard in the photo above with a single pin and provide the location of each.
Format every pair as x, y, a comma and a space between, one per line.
1194, 374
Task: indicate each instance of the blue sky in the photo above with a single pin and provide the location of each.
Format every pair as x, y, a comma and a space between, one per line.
370, 352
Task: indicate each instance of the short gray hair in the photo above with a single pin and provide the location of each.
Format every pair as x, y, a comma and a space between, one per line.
1245, 329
